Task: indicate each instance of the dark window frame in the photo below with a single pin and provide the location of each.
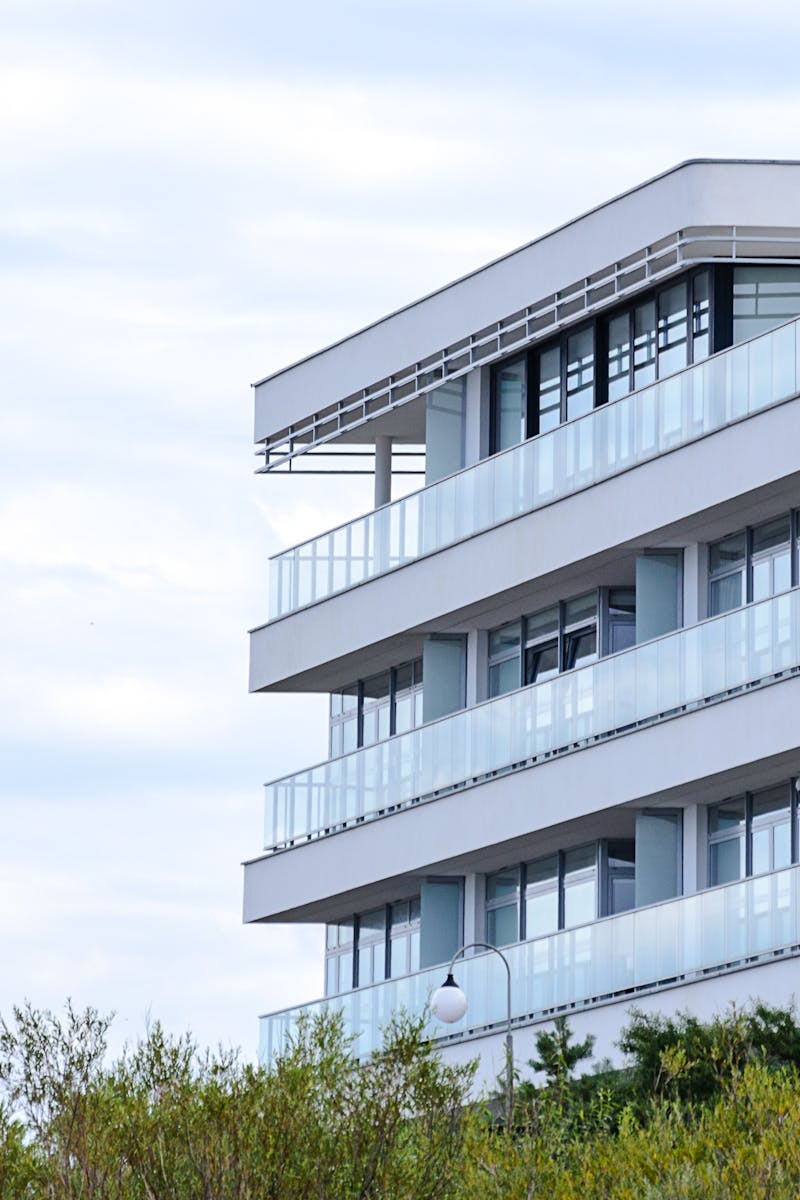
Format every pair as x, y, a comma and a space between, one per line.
599, 870
744, 832
745, 565
339, 718
719, 332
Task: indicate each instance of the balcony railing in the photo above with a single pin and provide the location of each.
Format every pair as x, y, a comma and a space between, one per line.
669, 675
668, 414
677, 940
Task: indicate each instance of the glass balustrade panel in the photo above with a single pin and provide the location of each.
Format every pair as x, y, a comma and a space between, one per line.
631, 430
649, 947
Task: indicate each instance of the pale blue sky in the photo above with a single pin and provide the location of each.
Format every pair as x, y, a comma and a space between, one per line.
191, 196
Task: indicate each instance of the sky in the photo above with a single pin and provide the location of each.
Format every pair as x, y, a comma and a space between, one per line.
193, 195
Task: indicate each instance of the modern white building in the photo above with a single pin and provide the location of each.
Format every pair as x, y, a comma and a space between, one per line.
564, 676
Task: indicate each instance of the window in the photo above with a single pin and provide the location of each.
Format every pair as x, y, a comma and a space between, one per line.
540, 646
753, 564
666, 330
763, 297
371, 946
404, 937
339, 966
377, 708
752, 834
658, 336
559, 891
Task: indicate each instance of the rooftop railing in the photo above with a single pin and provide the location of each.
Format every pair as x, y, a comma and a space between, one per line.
635, 429
667, 943
658, 679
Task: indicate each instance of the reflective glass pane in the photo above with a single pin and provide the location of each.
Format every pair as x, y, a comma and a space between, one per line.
700, 317
345, 931
541, 913
726, 593
549, 400
579, 649
770, 534
580, 373
644, 344
541, 662
727, 553
762, 579
345, 980
540, 624
502, 925
503, 883
372, 923
769, 804
781, 573
331, 932
582, 608
726, 861
542, 871
579, 903
729, 815
763, 297
672, 330
762, 839
579, 859
510, 404
504, 677
506, 639
782, 845
331, 976
622, 600
619, 356
349, 735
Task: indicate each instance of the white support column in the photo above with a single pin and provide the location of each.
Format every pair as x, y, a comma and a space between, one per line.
383, 470
473, 909
693, 842
476, 660
692, 612
473, 433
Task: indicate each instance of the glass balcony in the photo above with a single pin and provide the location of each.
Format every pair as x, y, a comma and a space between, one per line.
665, 943
669, 675
673, 412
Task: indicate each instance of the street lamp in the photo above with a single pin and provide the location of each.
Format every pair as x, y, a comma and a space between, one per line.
449, 1004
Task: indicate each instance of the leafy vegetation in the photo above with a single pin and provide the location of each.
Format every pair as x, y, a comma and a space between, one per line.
706, 1110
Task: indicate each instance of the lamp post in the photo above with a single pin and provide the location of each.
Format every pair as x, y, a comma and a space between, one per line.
449, 1004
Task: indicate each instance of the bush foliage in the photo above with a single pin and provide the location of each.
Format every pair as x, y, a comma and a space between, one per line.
710, 1111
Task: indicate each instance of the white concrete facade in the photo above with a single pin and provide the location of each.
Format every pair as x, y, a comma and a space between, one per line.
564, 728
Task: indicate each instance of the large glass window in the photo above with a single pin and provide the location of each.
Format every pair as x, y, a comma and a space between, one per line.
751, 834
763, 296
658, 336
339, 945
559, 891
752, 564
371, 946
404, 921
580, 885
502, 907
504, 659
510, 404
540, 646
580, 373
377, 708
569, 375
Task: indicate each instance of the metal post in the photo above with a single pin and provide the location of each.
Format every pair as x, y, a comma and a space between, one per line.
383, 470
509, 1037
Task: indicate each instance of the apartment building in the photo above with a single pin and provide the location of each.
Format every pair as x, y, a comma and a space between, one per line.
564, 674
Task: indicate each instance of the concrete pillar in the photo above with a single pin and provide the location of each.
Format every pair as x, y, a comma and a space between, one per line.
474, 439
693, 586
383, 470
